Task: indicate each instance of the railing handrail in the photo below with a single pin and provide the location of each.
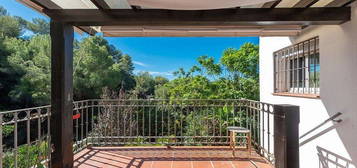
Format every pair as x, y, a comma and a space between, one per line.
88, 100
24, 109
156, 121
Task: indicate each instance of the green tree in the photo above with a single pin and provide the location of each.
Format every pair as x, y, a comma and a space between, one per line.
160, 81
98, 65
38, 26
145, 85
31, 59
10, 26
235, 76
3, 11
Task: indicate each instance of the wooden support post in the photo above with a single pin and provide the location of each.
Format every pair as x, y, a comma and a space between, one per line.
61, 95
286, 136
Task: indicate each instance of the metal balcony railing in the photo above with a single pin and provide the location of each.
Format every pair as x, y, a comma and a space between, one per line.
136, 122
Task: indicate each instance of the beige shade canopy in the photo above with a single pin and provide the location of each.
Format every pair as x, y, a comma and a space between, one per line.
225, 27
194, 4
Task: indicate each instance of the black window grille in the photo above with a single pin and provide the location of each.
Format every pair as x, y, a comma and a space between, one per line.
297, 68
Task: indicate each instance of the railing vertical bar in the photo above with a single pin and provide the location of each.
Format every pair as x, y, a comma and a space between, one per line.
263, 125
39, 132
156, 103
86, 134
143, 119
117, 111
124, 116
240, 113
207, 116
49, 146
181, 118
82, 123
213, 121
15, 139
137, 121
92, 122
258, 124
77, 128
1, 147
162, 119
193, 118
227, 119
174, 117
268, 124
149, 109
168, 119
253, 121
131, 121
220, 123
28, 137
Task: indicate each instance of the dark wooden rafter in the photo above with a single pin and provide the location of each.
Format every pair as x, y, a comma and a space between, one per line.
87, 29
271, 4
135, 8
223, 17
305, 3
100, 4
46, 4
339, 3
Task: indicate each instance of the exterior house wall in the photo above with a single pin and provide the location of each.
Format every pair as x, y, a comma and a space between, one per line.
338, 93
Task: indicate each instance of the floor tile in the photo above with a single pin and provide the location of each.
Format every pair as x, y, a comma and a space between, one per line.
222, 164
182, 164
201, 164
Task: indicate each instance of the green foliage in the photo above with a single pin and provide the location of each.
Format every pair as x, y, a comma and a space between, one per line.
7, 130
38, 26
98, 65
244, 61
31, 59
145, 85
235, 76
25, 64
27, 156
3, 11
10, 26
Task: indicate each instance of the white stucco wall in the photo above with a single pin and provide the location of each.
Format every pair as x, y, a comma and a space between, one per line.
338, 86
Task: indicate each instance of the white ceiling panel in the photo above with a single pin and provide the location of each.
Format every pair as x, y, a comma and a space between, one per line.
118, 4
75, 4
287, 3
322, 3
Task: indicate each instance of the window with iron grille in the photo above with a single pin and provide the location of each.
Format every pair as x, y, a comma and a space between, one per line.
297, 68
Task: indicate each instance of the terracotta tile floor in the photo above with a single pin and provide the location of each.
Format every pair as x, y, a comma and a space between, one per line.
164, 157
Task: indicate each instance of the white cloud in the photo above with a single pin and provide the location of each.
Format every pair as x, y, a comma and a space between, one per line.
155, 73
161, 73
140, 63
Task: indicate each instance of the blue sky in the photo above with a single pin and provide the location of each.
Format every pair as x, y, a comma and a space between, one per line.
157, 55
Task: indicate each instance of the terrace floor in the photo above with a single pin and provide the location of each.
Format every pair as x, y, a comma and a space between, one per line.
167, 157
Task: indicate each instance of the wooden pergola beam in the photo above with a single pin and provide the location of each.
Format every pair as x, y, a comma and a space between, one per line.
100, 4
40, 5
271, 4
339, 3
45, 4
223, 17
305, 3
87, 29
